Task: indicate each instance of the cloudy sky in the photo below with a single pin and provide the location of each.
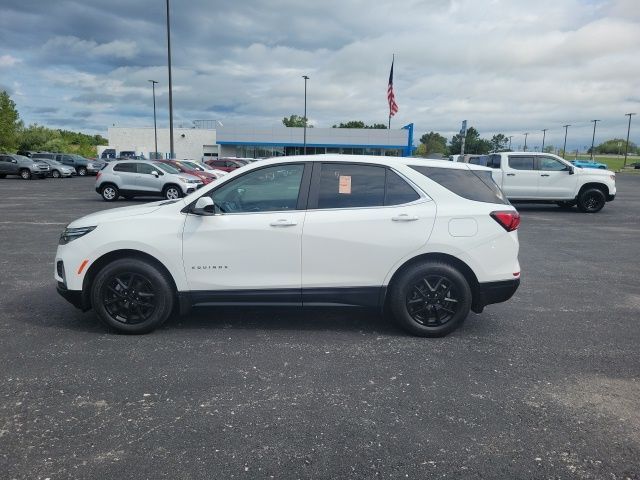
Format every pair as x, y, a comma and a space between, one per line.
508, 66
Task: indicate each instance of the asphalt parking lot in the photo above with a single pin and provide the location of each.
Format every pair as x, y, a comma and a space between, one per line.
544, 386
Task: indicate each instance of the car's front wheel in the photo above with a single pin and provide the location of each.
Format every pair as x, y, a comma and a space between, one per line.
55, 174
82, 171
430, 299
25, 174
172, 192
109, 193
131, 295
591, 200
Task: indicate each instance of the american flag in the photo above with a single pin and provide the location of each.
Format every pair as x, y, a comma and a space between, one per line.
393, 106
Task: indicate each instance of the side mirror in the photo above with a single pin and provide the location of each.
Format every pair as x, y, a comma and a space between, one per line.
571, 170
204, 206
155, 173
13, 160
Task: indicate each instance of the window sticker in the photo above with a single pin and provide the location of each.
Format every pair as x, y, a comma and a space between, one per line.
344, 184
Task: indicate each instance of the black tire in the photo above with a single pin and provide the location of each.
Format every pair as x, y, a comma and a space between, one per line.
133, 296
591, 200
56, 174
566, 204
430, 299
172, 192
82, 171
3, 175
109, 192
25, 174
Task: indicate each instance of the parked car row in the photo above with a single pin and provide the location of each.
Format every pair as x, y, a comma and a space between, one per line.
24, 167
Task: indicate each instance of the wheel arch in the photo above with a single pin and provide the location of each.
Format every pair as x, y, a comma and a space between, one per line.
465, 269
99, 263
600, 186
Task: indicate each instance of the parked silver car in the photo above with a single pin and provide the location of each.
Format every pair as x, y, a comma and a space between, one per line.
58, 170
144, 178
24, 167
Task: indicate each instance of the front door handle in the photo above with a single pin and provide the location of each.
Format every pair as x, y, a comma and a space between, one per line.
544, 175
403, 217
511, 174
283, 222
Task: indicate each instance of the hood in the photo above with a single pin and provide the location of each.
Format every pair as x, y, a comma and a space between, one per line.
597, 172
118, 213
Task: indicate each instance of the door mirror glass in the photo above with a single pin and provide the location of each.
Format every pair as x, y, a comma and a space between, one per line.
204, 206
155, 173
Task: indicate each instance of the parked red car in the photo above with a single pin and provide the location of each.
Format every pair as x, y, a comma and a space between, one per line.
225, 164
206, 178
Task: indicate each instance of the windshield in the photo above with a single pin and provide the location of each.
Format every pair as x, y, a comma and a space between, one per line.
194, 165
166, 167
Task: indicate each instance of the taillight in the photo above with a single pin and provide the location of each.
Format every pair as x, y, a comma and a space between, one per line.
508, 219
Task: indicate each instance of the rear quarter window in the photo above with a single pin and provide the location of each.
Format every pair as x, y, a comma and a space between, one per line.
476, 185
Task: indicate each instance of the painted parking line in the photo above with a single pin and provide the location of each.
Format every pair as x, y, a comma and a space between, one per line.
33, 223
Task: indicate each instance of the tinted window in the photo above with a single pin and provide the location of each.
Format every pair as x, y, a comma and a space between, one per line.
521, 163
550, 164
494, 161
344, 185
146, 168
125, 167
166, 167
398, 191
479, 160
477, 185
266, 190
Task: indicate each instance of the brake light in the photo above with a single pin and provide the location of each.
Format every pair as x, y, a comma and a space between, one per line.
508, 219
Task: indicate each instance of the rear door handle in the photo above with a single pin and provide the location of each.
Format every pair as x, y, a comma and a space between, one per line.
544, 175
283, 222
403, 217
511, 174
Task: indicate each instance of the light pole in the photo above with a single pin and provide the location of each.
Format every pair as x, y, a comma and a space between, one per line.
172, 153
525, 140
510, 137
305, 113
155, 125
544, 134
626, 149
595, 122
564, 148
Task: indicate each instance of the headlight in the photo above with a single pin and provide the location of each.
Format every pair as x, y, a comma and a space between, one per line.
89, 165
70, 234
188, 180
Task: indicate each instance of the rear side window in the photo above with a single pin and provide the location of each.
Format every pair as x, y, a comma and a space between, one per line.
476, 185
398, 191
125, 167
345, 185
521, 163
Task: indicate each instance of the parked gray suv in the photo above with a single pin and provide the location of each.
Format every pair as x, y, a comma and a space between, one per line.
22, 166
144, 178
83, 166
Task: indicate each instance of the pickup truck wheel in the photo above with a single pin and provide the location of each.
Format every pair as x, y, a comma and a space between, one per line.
82, 171
430, 299
591, 200
566, 204
109, 192
171, 192
55, 174
131, 295
25, 174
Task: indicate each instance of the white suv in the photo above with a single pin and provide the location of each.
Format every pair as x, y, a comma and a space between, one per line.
145, 179
424, 240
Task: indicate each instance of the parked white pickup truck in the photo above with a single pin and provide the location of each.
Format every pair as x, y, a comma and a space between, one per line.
543, 177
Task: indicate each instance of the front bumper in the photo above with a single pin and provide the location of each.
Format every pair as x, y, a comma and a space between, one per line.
74, 297
494, 292
611, 198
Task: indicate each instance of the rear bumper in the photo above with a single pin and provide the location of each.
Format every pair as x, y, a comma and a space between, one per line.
494, 292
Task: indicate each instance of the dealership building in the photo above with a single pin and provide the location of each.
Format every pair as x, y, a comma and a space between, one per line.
246, 142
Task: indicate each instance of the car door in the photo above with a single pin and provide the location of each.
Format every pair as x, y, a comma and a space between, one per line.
362, 220
126, 173
556, 180
4, 164
146, 181
520, 177
250, 251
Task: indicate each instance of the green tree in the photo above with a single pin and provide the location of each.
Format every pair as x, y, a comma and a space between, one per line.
433, 143
615, 146
295, 121
499, 142
549, 149
473, 143
360, 124
10, 123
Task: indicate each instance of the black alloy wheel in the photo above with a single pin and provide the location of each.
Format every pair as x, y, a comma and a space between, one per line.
432, 301
129, 298
591, 200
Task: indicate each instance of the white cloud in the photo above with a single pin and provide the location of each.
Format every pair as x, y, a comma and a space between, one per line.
126, 49
8, 61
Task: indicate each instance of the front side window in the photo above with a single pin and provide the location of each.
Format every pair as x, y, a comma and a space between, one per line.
345, 185
521, 163
145, 168
551, 164
268, 189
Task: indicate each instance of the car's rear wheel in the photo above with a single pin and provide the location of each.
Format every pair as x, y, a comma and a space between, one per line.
172, 192
566, 204
131, 295
109, 192
82, 171
25, 174
55, 174
591, 200
430, 299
